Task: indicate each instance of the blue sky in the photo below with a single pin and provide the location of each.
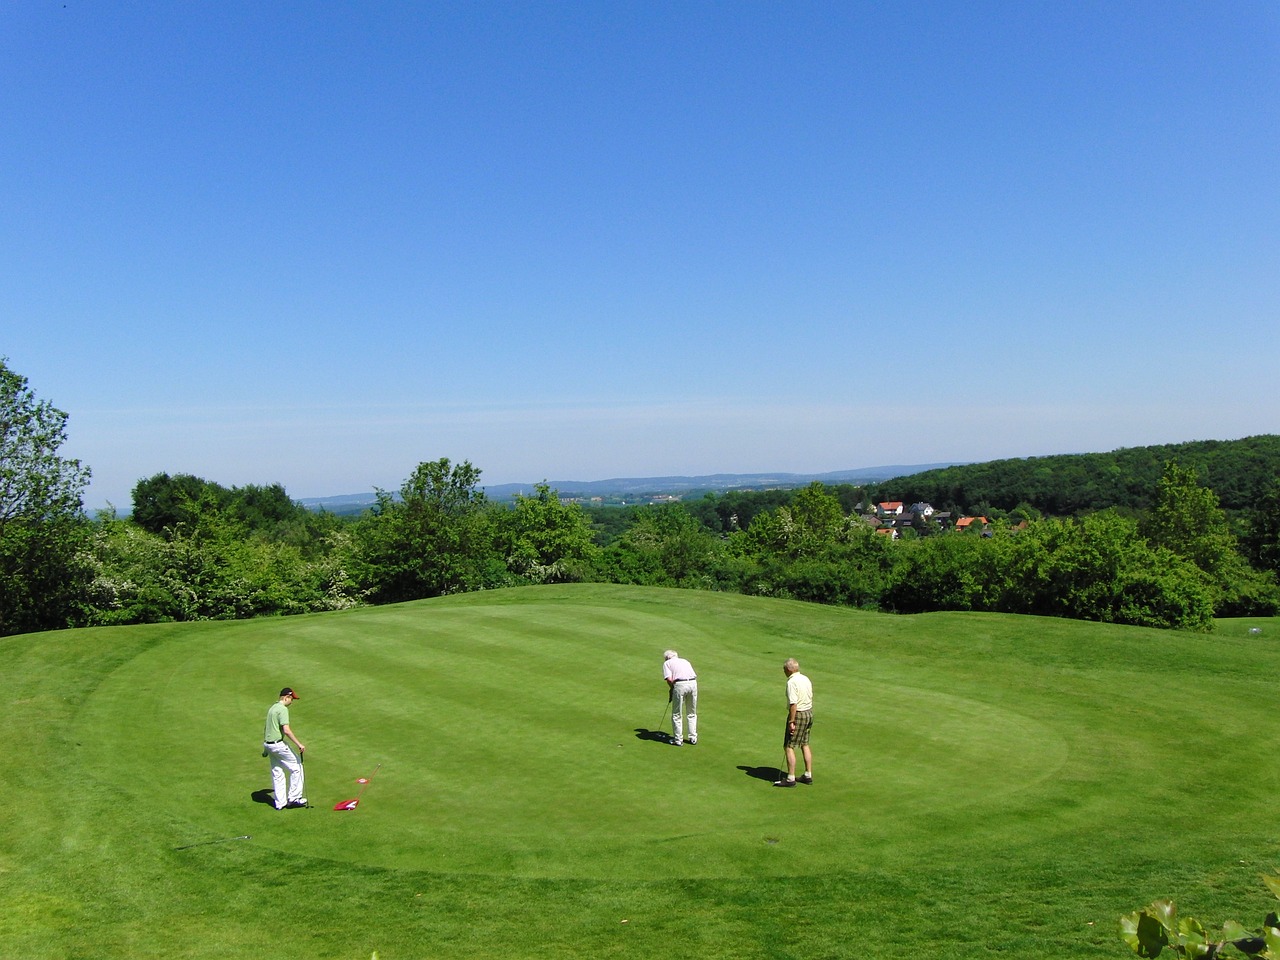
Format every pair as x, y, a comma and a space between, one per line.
319, 243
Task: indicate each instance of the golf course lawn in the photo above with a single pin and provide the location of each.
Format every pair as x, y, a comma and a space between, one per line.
985, 785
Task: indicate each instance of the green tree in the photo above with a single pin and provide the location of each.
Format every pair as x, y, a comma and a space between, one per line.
810, 550
666, 546
811, 525
1100, 568
1262, 532
546, 540
42, 527
1186, 519
163, 502
949, 572
265, 509
736, 509
437, 537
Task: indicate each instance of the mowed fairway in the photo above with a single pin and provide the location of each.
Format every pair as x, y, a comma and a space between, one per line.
985, 785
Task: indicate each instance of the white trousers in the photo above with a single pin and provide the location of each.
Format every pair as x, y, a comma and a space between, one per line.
284, 760
684, 693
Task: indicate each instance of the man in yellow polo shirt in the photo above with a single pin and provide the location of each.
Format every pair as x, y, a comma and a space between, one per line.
799, 720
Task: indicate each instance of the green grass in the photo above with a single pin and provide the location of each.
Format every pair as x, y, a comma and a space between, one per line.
985, 785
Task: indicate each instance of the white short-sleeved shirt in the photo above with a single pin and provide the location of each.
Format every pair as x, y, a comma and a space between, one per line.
800, 692
678, 668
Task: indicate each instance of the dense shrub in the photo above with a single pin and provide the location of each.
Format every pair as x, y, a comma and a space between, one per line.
665, 546
214, 572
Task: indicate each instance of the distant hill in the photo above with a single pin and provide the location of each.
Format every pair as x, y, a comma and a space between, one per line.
712, 483
1236, 470
638, 488
1060, 485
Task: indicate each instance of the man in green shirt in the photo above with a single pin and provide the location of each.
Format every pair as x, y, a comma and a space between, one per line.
286, 767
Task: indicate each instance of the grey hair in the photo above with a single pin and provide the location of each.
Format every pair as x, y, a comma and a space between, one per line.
791, 663
667, 655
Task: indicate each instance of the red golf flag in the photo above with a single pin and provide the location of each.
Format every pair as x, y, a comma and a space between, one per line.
364, 785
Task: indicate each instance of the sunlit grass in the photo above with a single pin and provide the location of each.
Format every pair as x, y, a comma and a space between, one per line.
986, 785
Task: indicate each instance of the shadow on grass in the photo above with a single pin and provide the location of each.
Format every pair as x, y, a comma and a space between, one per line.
264, 796
768, 774
657, 736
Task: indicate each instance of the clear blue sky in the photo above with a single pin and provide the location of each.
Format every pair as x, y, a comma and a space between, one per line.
319, 243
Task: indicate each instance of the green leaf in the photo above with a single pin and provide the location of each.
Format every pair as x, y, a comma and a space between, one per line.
1129, 930
1144, 933
1194, 941
1232, 930
1273, 884
1190, 927
1272, 936
1165, 912
1246, 941
1152, 936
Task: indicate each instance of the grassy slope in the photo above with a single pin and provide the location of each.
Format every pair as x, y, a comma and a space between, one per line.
986, 784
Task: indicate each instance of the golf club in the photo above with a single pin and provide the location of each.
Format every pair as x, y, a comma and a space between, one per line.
666, 713
302, 762
364, 784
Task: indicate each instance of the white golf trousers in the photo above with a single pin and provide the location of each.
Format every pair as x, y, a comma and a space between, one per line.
282, 760
684, 693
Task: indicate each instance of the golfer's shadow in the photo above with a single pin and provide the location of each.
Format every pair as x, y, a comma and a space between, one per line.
772, 774
264, 796
658, 736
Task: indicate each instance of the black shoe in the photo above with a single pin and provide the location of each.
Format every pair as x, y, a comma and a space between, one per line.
806, 779
295, 805
784, 783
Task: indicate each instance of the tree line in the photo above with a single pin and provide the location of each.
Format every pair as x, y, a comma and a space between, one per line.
1238, 471
193, 549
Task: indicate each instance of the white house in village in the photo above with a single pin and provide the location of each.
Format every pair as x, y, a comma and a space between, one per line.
891, 516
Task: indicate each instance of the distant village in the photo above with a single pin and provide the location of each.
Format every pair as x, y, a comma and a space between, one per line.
892, 517
889, 518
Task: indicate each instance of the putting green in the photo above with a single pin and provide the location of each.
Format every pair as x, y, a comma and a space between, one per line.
513, 732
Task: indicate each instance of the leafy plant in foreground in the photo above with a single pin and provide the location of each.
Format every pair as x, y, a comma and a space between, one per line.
1157, 927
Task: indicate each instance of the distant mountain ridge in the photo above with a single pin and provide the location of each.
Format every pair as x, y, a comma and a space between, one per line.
656, 486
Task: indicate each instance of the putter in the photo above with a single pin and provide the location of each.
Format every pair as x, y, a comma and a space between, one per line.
364, 784
666, 715
302, 762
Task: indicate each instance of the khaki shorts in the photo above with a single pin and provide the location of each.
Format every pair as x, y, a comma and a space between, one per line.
804, 720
